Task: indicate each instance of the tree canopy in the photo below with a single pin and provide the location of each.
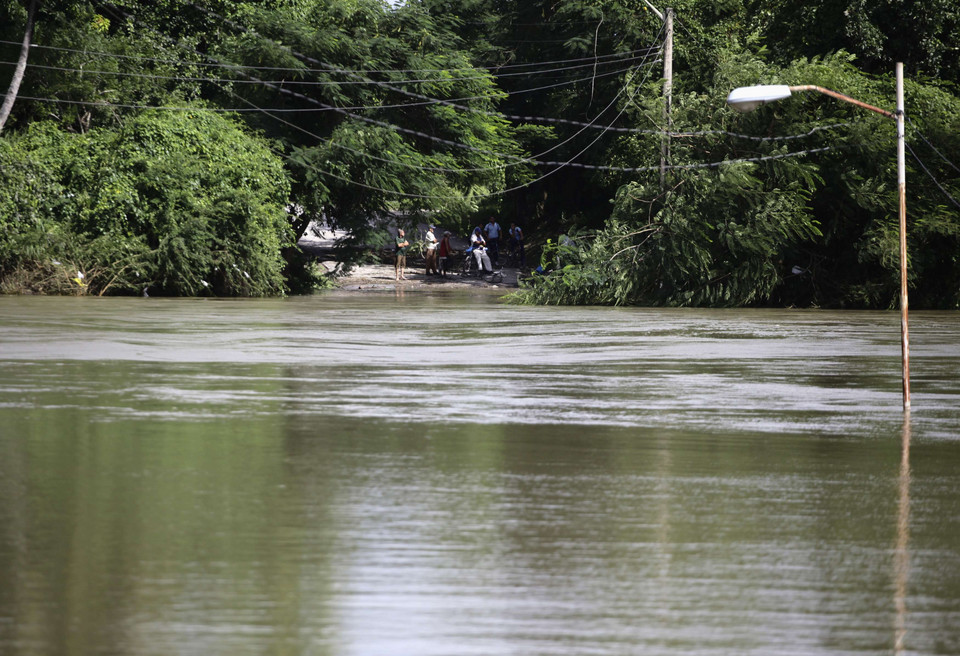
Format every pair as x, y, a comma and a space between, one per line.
183, 146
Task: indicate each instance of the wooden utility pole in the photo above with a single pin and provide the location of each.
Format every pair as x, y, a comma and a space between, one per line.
18, 72
667, 89
667, 97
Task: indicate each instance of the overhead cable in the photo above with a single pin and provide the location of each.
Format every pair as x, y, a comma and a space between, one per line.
434, 138
613, 56
428, 99
327, 108
514, 117
334, 69
932, 147
255, 80
559, 165
457, 144
706, 165
154, 76
932, 177
395, 127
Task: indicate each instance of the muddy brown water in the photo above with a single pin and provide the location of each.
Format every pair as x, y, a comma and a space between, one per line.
439, 473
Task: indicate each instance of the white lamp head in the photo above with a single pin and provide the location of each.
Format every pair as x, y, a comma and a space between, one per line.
747, 99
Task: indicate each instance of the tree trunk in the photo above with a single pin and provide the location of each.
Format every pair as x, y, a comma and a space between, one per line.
21, 66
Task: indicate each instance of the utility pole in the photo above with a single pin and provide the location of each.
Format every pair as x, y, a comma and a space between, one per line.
667, 89
667, 97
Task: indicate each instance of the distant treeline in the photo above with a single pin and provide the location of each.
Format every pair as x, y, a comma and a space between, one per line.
160, 146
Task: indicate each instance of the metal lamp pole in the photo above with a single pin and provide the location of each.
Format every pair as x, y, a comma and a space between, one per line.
746, 99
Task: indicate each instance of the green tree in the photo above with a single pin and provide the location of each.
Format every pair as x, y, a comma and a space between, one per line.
922, 35
386, 117
820, 229
177, 203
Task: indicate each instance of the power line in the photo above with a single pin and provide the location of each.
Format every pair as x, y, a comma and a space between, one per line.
520, 160
298, 110
428, 99
931, 176
624, 56
501, 115
395, 127
571, 163
404, 92
154, 76
439, 139
185, 108
706, 165
514, 117
932, 147
448, 103
558, 165
517, 160
312, 60
540, 24
254, 80
452, 103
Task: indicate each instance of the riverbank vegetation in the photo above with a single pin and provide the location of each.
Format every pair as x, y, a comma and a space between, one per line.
183, 147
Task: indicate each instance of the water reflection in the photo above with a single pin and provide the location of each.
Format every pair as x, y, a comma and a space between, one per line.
902, 550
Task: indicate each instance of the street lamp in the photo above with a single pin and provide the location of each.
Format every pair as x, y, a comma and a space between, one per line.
746, 99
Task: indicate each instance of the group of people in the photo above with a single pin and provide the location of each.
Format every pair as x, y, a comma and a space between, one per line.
438, 251
484, 246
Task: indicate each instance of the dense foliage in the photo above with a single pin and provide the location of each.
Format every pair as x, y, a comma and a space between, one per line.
160, 145
174, 203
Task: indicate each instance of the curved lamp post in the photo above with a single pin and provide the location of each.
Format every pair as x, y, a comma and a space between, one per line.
746, 99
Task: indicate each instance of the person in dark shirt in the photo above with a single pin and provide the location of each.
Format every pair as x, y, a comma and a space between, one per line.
402, 246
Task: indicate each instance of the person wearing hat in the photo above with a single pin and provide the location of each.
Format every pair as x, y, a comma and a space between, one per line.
431, 252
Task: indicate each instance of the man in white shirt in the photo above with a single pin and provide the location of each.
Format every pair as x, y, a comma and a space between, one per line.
492, 231
431, 256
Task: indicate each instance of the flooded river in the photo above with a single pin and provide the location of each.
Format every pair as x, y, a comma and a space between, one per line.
441, 474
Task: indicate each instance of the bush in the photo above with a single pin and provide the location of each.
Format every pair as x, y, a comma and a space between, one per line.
180, 203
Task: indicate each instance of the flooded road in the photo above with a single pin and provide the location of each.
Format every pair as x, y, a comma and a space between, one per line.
444, 474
